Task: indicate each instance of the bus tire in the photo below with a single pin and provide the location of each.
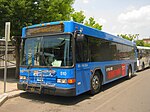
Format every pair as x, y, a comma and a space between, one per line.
96, 83
129, 76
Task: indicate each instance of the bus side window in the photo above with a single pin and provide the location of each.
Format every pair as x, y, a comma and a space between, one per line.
82, 49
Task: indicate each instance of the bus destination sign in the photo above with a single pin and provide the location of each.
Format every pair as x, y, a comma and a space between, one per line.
45, 29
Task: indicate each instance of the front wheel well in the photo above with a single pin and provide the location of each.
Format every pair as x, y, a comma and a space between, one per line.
96, 81
100, 74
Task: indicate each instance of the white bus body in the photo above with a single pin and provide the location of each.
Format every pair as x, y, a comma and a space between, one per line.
143, 60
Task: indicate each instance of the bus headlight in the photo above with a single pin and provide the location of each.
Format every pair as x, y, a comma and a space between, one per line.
23, 77
63, 81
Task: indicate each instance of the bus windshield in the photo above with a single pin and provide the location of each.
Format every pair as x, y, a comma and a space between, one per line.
51, 50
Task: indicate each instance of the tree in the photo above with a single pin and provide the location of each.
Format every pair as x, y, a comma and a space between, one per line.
78, 17
132, 37
139, 42
129, 36
16, 41
125, 36
146, 44
23, 13
27, 12
92, 23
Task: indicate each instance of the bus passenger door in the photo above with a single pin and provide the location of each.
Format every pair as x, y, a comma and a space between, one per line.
82, 78
82, 65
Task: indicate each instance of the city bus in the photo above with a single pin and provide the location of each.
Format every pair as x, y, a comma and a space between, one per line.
67, 59
143, 60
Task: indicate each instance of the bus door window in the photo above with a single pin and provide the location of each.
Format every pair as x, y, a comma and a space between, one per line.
82, 49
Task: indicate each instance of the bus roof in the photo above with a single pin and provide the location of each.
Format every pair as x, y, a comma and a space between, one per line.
142, 47
71, 26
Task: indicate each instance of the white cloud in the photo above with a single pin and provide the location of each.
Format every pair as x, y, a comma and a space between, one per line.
102, 21
130, 8
85, 1
136, 21
135, 16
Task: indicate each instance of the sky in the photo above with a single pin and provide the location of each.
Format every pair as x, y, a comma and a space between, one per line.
118, 16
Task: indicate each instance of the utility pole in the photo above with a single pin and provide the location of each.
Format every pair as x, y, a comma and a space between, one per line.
7, 38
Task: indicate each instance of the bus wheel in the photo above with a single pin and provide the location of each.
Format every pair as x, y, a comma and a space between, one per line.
95, 83
129, 76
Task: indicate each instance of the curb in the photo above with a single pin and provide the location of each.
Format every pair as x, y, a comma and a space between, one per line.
4, 97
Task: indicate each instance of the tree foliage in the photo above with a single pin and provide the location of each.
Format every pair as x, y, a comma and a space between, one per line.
129, 36
133, 37
78, 17
23, 13
27, 12
147, 44
140, 43
92, 23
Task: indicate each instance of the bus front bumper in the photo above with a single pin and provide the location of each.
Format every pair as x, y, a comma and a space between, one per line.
45, 89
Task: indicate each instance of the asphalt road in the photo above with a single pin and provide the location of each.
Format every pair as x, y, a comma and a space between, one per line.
120, 96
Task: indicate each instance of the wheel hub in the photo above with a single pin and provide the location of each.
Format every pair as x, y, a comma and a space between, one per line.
95, 82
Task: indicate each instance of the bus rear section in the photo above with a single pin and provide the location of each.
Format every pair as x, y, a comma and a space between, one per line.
143, 60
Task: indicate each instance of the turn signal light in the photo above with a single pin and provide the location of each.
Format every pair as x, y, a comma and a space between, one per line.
71, 81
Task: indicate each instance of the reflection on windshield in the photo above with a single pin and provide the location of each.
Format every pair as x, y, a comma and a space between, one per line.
47, 51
